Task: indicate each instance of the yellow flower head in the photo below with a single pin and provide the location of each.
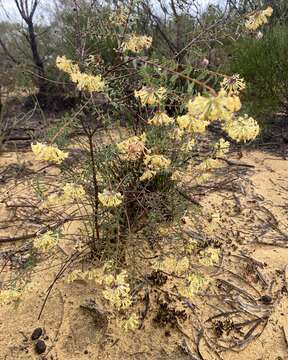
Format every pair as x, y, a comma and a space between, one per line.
48, 153
150, 96
207, 165
268, 11
177, 176
209, 257
110, 198
242, 129
191, 246
46, 241
132, 323
199, 106
71, 192
91, 83
119, 16
192, 124
176, 133
117, 290
137, 43
132, 148
66, 65
9, 295
233, 84
75, 275
202, 178
157, 162
171, 264
154, 164
258, 19
212, 108
221, 148
147, 175
188, 146
160, 118
194, 283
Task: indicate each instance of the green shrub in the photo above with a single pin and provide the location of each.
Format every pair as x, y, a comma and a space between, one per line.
264, 65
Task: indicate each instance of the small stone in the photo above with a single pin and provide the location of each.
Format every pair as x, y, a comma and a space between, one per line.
86, 352
36, 333
266, 299
40, 347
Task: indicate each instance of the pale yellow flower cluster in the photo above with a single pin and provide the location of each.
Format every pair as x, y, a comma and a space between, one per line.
147, 175
202, 178
160, 118
242, 129
258, 19
209, 257
204, 109
46, 241
154, 164
194, 283
132, 323
96, 274
191, 246
150, 95
9, 295
66, 65
192, 124
132, 148
212, 108
188, 146
119, 16
117, 290
71, 192
233, 85
207, 165
221, 148
137, 43
91, 83
177, 175
110, 198
172, 265
177, 133
44, 152
76, 275
157, 162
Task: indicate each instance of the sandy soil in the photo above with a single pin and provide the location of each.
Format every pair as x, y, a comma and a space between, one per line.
71, 333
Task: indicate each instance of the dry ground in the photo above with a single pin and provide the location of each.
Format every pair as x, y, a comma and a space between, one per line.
70, 333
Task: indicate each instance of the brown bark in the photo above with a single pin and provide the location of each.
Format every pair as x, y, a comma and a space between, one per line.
27, 10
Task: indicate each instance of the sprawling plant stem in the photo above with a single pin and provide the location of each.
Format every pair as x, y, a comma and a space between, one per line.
96, 238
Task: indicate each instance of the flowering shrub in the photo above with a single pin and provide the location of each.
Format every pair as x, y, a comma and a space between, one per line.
135, 177
47, 152
258, 18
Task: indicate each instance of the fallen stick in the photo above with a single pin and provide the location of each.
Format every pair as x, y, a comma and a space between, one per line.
189, 198
235, 163
285, 332
35, 234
